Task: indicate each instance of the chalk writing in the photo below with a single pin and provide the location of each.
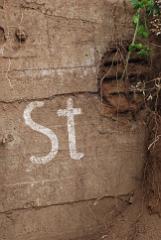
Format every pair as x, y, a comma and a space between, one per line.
46, 131
69, 112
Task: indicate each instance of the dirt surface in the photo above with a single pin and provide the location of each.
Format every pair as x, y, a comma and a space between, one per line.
133, 223
70, 166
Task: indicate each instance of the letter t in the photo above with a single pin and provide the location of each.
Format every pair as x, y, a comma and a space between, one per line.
69, 113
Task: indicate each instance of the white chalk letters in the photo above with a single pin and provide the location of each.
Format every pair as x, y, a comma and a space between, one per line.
36, 127
69, 112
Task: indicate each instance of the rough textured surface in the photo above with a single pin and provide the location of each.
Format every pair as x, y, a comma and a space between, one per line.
123, 92
101, 172
64, 45
55, 57
60, 222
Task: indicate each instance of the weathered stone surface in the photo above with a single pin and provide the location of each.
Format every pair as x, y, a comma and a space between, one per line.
75, 220
34, 84
116, 20
1, 3
64, 41
92, 11
102, 172
71, 43
35, 25
68, 68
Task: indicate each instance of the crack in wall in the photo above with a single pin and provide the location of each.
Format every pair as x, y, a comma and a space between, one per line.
55, 69
49, 12
50, 98
122, 198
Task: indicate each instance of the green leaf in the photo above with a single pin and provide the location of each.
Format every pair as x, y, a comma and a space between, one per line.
149, 5
136, 18
139, 46
135, 47
144, 52
132, 48
142, 31
134, 3
137, 4
143, 9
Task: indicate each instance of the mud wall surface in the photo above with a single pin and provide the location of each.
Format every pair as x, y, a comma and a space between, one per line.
61, 159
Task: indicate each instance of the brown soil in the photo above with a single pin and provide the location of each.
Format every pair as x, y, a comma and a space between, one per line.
135, 223
140, 220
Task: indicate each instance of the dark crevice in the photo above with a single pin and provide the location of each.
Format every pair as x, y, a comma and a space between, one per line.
2, 35
139, 61
133, 78
118, 94
109, 63
112, 78
115, 87
113, 50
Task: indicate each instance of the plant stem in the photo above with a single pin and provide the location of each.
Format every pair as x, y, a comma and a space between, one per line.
133, 42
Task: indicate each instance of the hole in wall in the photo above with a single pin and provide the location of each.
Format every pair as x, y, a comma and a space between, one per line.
21, 35
120, 95
2, 35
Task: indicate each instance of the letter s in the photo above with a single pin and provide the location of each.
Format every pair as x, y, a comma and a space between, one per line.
47, 132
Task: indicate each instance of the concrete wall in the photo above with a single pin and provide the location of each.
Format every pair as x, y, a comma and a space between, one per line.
58, 151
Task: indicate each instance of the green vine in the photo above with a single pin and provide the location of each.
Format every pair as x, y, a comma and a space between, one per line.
143, 10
